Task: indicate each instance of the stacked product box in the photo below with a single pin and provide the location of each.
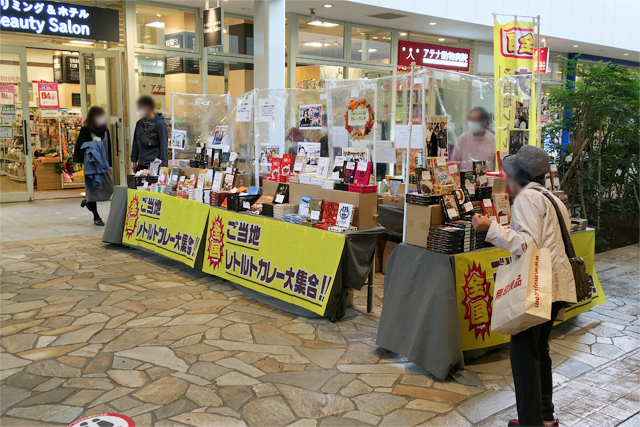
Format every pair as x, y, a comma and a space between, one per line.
280, 209
446, 239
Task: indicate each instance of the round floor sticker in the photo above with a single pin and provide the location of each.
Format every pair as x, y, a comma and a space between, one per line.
104, 420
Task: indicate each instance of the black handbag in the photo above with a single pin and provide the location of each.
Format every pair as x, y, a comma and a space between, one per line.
582, 278
149, 140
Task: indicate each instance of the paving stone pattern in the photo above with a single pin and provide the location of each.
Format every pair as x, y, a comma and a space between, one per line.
89, 328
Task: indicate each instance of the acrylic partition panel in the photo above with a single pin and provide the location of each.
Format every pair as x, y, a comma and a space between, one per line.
290, 121
200, 119
241, 126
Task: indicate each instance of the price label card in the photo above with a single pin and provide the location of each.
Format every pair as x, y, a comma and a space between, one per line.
351, 165
229, 170
298, 167
487, 202
441, 161
556, 182
339, 161
468, 207
503, 220
362, 166
198, 150
246, 205
453, 169
279, 198
315, 215
483, 179
452, 213
48, 95
471, 188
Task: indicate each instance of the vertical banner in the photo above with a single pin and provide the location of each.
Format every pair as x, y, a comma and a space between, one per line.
48, 95
515, 103
213, 23
475, 274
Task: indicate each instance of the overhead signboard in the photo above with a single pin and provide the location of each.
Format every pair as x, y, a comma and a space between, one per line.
433, 55
60, 19
213, 22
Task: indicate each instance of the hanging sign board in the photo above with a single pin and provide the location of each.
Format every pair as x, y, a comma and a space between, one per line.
544, 59
7, 94
213, 22
48, 95
433, 55
60, 20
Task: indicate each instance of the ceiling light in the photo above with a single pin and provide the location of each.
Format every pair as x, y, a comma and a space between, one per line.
575, 45
433, 23
625, 54
224, 31
327, 5
370, 50
544, 40
157, 24
315, 44
440, 39
82, 42
158, 15
403, 34
317, 23
375, 37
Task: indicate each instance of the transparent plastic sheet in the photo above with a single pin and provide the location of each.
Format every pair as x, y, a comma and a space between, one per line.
241, 132
284, 133
516, 113
198, 116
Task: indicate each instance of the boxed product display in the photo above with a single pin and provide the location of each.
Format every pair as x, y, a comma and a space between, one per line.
420, 219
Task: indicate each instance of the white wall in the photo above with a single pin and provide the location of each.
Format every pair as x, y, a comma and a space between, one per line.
613, 23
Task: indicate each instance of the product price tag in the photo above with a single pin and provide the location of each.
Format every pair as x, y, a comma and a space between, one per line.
298, 167
441, 161
362, 166
453, 169
279, 198
471, 188
452, 213
351, 165
556, 182
487, 202
468, 207
198, 150
315, 215
246, 205
229, 171
503, 220
305, 179
483, 179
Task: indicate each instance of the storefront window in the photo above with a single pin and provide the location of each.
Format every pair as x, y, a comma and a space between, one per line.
368, 45
320, 38
238, 37
159, 76
234, 78
361, 73
166, 28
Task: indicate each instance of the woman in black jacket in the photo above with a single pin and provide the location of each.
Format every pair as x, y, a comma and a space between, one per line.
95, 127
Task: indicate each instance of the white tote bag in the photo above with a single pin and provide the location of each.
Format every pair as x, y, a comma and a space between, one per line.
522, 292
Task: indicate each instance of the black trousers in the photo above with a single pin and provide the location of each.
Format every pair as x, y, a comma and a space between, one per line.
531, 366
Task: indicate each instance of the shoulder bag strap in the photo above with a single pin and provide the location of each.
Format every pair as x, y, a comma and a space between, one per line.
566, 238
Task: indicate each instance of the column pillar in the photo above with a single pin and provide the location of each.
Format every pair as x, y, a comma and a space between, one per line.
269, 40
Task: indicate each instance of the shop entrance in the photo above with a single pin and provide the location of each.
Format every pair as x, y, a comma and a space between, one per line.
45, 97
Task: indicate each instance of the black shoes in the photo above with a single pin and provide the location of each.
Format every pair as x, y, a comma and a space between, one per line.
83, 203
98, 222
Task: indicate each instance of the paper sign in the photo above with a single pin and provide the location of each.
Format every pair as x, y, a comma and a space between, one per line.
468, 207
246, 205
6, 131
487, 202
268, 109
441, 161
362, 166
358, 117
340, 136
229, 170
451, 213
503, 220
7, 94
315, 215
417, 136
483, 179
279, 198
243, 111
385, 152
403, 137
48, 95
305, 179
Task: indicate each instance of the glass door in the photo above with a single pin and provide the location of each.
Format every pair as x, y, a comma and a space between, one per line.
16, 168
102, 86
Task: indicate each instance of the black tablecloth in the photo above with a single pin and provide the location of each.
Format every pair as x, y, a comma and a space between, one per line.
391, 217
353, 272
419, 316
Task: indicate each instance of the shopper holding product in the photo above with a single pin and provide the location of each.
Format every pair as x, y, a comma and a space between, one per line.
534, 221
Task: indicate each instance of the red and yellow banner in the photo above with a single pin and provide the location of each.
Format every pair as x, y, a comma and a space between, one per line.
167, 225
475, 277
290, 262
515, 100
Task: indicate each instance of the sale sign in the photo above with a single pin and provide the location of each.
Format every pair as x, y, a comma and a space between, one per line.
48, 95
7, 94
544, 60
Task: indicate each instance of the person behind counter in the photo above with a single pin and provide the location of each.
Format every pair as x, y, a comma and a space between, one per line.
150, 139
534, 221
477, 143
95, 129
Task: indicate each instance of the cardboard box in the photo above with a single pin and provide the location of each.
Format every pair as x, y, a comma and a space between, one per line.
401, 194
419, 220
365, 214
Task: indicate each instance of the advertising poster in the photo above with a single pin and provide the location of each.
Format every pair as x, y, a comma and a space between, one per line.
251, 251
48, 95
436, 136
219, 134
310, 116
268, 152
513, 51
475, 274
7, 94
212, 21
178, 139
157, 222
309, 149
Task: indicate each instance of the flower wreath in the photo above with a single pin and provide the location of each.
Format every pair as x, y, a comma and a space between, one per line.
359, 133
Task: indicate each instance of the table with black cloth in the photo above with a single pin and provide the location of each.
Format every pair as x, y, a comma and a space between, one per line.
356, 266
419, 316
391, 217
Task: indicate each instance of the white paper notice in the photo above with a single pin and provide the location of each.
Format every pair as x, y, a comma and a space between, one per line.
417, 136
483, 179
403, 137
385, 152
340, 136
487, 202
452, 213
246, 205
243, 111
315, 215
279, 198
229, 170
503, 220
468, 207
362, 166
268, 109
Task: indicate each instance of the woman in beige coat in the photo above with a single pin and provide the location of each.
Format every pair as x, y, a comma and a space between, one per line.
534, 221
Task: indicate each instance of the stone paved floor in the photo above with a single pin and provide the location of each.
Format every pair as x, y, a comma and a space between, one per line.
90, 328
